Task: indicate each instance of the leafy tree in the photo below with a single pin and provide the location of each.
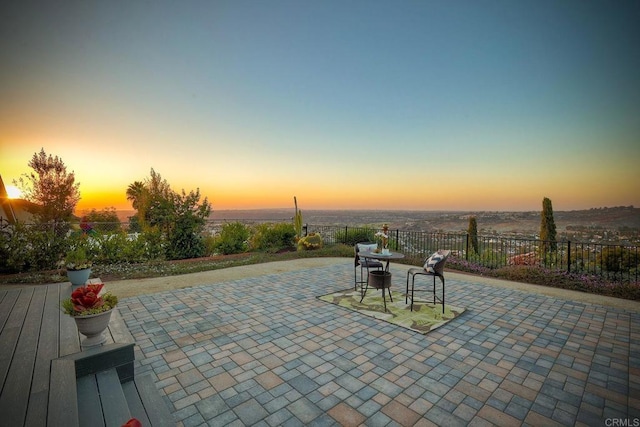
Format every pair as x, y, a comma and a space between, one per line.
185, 234
547, 227
105, 220
51, 187
473, 234
136, 193
180, 218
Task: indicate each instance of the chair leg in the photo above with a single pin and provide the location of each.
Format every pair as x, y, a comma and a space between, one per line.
361, 281
434, 290
390, 297
406, 292
413, 284
443, 295
364, 293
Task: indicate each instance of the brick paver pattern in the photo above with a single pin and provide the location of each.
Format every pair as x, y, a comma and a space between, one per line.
265, 351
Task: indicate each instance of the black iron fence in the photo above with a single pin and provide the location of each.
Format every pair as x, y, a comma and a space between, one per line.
614, 262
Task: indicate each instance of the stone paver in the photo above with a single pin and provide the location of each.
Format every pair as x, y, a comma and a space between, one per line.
265, 351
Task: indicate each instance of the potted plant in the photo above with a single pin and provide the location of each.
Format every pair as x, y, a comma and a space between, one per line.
91, 312
78, 266
384, 239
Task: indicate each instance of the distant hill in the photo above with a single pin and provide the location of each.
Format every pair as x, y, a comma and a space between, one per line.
609, 218
448, 221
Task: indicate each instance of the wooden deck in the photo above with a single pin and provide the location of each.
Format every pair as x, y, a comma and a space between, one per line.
41, 356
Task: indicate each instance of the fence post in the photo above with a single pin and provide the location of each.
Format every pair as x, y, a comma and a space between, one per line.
568, 256
306, 229
397, 236
466, 251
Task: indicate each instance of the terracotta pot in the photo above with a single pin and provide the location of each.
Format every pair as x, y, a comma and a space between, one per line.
93, 327
78, 277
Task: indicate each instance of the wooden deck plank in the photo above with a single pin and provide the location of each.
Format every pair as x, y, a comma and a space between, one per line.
10, 335
118, 328
114, 405
63, 404
156, 408
11, 330
135, 403
47, 351
89, 412
6, 306
17, 385
69, 339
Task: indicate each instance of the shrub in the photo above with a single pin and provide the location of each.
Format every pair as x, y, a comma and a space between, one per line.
153, 243
273, 237
232, 239
32, 247
109, 247
352, 236
185, 239
14, 249
310, 242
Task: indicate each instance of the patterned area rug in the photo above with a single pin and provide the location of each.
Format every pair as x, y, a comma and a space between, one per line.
424, 318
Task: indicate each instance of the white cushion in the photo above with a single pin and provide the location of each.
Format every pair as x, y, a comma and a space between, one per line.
367, 248
432, 261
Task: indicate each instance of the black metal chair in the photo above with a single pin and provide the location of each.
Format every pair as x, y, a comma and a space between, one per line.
363, 263
433, 266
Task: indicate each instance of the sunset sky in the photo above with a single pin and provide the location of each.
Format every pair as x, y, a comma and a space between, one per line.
455, 105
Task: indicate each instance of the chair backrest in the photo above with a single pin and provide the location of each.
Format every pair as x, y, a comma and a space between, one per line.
435, 263
359, 245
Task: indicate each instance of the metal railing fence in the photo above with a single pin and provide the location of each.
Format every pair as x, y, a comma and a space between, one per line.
613, 262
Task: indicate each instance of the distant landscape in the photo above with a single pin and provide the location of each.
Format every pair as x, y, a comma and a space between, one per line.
612, 225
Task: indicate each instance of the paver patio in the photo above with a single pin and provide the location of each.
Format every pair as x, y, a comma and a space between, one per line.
265, 351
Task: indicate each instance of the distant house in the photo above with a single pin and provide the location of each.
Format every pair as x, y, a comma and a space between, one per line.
14, 210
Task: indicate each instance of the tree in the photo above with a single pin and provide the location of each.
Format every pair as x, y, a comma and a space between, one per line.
473, 234
547, 227
105, 220
180, 218
51, 187
185, 236
136, 194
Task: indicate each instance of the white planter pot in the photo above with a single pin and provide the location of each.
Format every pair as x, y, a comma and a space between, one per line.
93, 327
78, 277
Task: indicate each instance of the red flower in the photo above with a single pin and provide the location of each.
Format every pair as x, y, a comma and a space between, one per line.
132, 423
87, 297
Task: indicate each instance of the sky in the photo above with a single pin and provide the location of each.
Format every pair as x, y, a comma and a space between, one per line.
424, 105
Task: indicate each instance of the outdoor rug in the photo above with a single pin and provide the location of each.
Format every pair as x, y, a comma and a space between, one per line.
424, 318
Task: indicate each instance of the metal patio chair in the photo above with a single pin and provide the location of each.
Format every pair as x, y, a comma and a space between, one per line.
363, 263
433, 266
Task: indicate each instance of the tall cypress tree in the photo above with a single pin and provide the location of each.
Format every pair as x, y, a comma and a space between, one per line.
547, 227
473, 233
